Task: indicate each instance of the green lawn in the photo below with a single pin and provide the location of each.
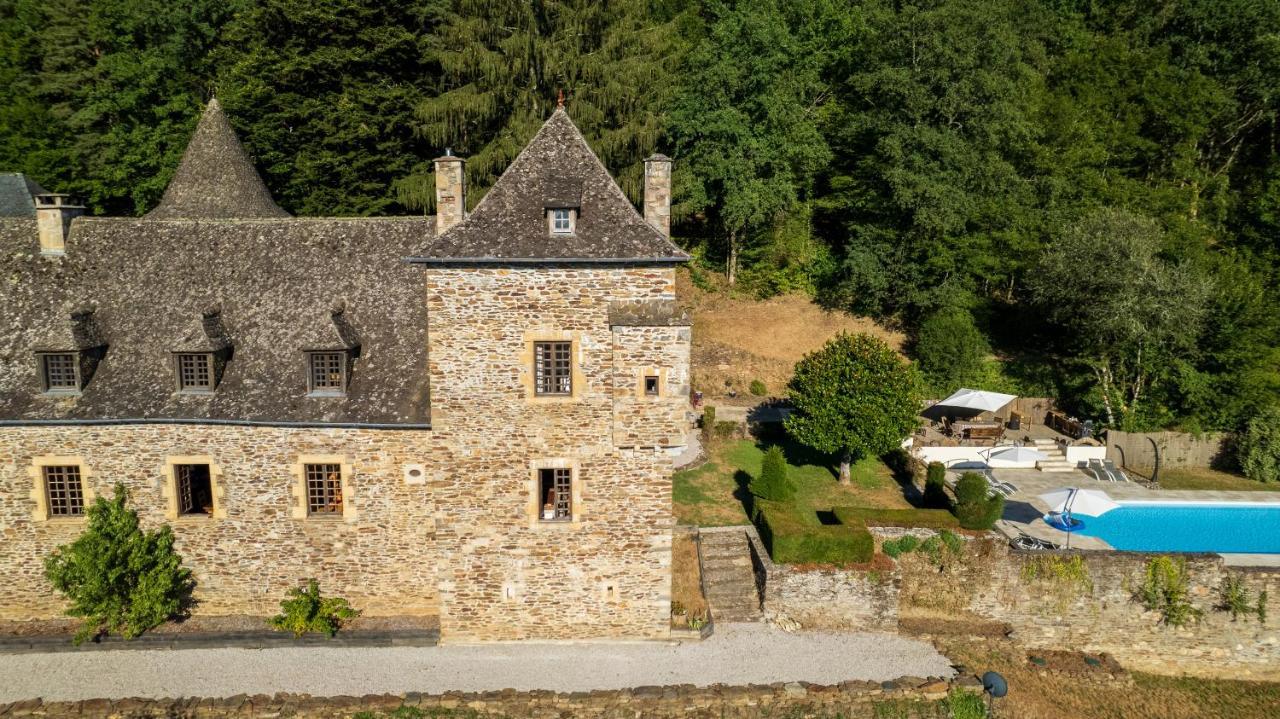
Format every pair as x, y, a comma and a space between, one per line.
713, 494
1202, 478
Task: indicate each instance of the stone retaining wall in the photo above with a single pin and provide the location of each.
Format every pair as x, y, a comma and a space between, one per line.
850, 699
991, 582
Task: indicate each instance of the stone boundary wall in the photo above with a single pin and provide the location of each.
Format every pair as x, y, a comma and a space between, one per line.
1177, 449
991, 583
718, 701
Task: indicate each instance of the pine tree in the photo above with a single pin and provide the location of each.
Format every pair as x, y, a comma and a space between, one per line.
504, 62
323, 92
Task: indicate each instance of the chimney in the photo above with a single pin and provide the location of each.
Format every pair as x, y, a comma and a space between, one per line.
53, 218
657, 193
451, 189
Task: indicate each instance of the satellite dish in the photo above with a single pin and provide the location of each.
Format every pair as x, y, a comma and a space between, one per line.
994, 684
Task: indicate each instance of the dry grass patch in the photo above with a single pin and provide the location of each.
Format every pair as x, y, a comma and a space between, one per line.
739, 339
686, 580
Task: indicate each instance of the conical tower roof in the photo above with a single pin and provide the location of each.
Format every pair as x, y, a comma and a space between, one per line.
557, 169
216, 179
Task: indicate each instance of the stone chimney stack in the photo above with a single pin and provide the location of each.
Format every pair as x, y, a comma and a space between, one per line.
53, 218
657, 193
451, 200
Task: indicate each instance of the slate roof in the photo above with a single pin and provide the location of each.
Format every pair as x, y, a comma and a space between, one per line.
215, 179
17, 195
556, 169
275, 284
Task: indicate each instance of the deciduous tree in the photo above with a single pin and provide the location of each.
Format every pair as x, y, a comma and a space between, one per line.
855, 397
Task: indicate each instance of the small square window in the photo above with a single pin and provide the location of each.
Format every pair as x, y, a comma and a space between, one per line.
553, 368
63, 491
195, 372
195, 489
328, 372
59, 372
555, 490
651, 385
562, 221
324, 489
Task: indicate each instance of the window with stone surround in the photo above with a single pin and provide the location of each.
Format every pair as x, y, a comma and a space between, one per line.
195, 371
59, 372
553, 368
63, 490
327, 373
194, 489
324, 489
555, 492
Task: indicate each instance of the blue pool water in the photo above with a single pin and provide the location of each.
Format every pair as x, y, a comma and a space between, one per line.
1171, 527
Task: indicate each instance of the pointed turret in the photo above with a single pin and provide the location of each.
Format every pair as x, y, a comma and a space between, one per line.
216, 179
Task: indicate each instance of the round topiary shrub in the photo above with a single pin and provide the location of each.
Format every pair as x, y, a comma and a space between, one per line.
935, 493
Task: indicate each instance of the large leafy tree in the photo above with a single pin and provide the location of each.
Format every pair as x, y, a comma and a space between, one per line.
745, 124
503, 64
1129, 312
855, 398
323, 93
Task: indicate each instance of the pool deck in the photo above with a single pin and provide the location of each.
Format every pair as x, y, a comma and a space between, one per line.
1024, 508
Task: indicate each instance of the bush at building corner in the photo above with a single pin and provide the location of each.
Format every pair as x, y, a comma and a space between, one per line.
306, 610
976, 507
118, 577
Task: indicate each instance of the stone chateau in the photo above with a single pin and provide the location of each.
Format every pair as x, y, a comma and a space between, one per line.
471, 415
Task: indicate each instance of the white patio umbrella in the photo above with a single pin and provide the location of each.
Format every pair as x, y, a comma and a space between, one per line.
1070, 500
977, 399
1017, 454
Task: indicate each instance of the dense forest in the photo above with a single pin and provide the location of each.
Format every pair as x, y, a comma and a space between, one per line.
1060, 197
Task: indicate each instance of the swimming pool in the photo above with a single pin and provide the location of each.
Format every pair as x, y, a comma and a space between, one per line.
1238, 527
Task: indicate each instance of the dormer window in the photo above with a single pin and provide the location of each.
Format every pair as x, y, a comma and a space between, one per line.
327, 373
562, 221
195, 371
60, 372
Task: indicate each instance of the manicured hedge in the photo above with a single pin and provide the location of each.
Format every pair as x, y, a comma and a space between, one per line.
922, 518
792, 540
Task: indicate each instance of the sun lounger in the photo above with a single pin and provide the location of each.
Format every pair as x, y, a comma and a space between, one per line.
1116, 474
1026, 541
996, 486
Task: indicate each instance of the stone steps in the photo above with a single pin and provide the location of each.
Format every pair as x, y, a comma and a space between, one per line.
1057, 461
729, 576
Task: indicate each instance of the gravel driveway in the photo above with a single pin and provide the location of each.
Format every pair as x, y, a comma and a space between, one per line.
736, 654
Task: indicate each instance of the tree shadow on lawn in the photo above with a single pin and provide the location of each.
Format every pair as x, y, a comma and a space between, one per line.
796, 454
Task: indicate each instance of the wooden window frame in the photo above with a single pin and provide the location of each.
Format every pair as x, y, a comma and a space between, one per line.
570, 218
171, 493
343, 357
536, 500
301, 508
48, 388
71, 484
210, 368
550, 372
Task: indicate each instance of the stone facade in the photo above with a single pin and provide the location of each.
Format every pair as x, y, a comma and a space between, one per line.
607, 572
467, 542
